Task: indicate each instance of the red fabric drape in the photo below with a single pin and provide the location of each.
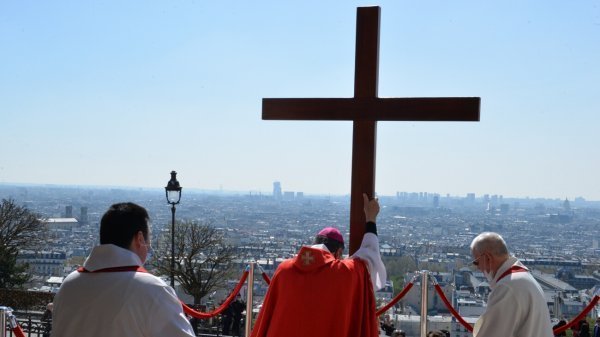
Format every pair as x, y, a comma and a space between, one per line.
379, 311
204, 315
289, 306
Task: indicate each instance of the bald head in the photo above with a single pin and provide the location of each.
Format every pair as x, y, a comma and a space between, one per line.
489, 242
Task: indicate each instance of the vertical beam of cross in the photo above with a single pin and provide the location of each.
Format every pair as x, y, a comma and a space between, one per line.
364, 133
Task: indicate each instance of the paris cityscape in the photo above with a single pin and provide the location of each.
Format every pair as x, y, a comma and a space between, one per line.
476, 117
557, 238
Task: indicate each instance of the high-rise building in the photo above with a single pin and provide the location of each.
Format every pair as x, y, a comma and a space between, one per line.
494, 200
83, 216
69, 211
288, 195
277, 190
566, 206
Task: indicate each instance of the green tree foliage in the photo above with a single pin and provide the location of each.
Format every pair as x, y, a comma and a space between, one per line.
397, 267
202, 258
19, 229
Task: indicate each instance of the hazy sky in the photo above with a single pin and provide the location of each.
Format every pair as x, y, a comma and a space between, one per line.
123, 92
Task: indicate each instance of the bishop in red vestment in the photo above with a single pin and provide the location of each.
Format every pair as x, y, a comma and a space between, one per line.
319, 294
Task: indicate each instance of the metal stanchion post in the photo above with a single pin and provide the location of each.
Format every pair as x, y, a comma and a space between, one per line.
250, 284
424, 298
3, 311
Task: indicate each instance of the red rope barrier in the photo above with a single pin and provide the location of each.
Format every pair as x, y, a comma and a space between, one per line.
464, 323
266, 278
394, 300
578, 317
264, 274
380, 311
13, 324
224, 305
556, 331
18, 331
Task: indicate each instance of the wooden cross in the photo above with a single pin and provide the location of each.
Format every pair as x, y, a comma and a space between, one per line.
365, 109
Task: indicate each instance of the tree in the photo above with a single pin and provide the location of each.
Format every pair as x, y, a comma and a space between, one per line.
202, 258
397, 268
19, 229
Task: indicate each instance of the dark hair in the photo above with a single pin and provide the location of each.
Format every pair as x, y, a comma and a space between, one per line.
436, 333
398, 333
121, 223
331, 244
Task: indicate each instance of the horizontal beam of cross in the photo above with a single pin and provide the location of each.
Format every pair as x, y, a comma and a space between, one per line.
444, 109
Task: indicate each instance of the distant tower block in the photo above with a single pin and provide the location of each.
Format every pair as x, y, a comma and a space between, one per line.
83, 218
288, 195
277, 190
494, 200
436, 201
566, 205
69, 211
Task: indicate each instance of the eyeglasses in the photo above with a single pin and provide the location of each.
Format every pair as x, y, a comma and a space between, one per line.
476, 261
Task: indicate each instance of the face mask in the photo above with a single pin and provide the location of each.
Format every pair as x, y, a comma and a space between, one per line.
489, 276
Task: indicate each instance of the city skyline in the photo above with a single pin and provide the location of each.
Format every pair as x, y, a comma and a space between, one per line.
419, 197
120, 94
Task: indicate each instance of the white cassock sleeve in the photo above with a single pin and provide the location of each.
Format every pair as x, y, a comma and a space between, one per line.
369, 252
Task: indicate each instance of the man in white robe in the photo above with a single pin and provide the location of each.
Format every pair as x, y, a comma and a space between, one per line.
112, 295
516, 306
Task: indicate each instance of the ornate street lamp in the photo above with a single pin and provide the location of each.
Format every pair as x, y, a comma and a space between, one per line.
173, 193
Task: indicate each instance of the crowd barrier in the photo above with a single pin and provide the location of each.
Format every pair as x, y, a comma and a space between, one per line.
223, 306
7, 317
425, 277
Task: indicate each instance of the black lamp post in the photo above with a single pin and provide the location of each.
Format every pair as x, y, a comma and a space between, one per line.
173, 193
